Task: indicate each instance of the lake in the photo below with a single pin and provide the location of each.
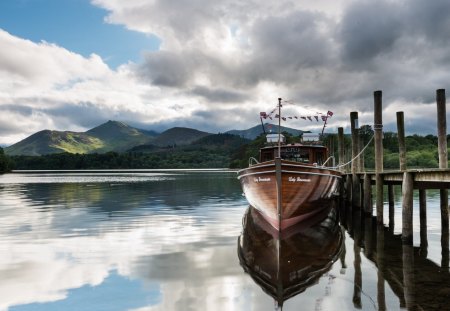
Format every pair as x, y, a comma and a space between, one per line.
187, 240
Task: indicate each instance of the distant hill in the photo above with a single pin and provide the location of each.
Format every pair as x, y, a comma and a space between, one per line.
225, 140
119, 136
255, 131
110, 136
48, 142
178, 136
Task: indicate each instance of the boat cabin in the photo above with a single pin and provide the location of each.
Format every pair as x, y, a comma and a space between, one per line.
309, 152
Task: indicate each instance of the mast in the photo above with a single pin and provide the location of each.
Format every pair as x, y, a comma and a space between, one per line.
279, 127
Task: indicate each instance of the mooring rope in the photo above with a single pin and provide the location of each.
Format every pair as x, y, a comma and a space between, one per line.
357, 156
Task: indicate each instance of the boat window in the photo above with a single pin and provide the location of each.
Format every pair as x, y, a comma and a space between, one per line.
295, 154
266, 155
319, 157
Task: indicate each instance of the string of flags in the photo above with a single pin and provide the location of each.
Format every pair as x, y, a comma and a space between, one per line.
318, 115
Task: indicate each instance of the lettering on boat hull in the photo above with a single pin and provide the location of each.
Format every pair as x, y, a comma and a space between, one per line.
298, 179
261, 179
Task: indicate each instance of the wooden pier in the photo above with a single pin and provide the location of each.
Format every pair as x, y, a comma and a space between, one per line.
358, 182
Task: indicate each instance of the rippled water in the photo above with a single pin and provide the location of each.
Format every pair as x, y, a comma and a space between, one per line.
149, 240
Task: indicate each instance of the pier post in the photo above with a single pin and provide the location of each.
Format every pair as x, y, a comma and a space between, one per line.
407, 208
391, 201
442, 128
357, 288
381, 296
408, 276
356, 191
443, 164
401, 139
423, 223
361, 157
341, 147
378, 129
348, 188
368, 205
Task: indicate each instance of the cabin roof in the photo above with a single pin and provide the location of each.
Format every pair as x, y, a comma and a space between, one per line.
304, 146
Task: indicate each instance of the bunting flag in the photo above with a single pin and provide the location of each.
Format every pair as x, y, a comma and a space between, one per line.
265, 115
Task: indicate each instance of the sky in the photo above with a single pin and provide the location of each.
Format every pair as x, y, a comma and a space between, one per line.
215, 65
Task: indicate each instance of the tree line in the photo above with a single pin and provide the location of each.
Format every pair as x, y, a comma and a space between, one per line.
421, 151
224, 152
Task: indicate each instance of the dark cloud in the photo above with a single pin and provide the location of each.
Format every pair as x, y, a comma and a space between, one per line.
166, 69
219, 95
369, 29
23, 110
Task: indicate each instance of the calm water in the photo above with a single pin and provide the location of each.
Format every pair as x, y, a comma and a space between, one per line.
175, 241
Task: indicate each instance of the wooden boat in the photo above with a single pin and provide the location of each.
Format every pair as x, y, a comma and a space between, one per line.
286, 266
290, 182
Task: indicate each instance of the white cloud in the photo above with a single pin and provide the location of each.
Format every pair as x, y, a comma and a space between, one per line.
218, 56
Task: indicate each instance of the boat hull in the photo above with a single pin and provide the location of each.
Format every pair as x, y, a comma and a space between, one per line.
304, 190
287, 266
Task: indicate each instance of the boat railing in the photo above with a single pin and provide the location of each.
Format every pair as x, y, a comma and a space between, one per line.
252, 161
329, 158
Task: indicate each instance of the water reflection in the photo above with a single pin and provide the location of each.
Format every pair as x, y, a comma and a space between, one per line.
418, 282
286, 264
86, 242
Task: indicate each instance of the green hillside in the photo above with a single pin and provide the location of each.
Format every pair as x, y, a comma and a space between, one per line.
49, 142
118, 136
110, 136
213, 151
178, 136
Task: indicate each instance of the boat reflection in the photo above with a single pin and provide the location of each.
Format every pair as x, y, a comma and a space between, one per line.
286, 263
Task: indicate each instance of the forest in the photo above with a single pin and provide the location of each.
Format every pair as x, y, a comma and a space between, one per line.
223, 151
5, 162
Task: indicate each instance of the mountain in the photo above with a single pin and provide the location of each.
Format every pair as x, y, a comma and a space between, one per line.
110, 136
46, 142
118, 136
255, 131
178, 136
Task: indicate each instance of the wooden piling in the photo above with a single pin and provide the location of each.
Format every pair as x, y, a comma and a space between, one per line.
443, 164
408, 277
348, 188
391, 201
381, 295
368, 205
341, 147
378, 129
361, 157
401, 140
407, 208
423, 223
356, 195
442, 128
355, 140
